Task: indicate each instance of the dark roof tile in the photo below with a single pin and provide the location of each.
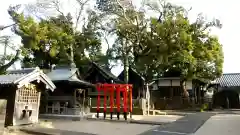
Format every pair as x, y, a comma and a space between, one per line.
22, 71
19, 76
229, 80
8, 79
67, 74
107, 73
12, 75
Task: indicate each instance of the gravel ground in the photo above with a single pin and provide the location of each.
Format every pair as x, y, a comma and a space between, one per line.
102, 128
108, 127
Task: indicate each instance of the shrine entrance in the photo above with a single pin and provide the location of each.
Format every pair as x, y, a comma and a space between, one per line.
120, 95
27, 100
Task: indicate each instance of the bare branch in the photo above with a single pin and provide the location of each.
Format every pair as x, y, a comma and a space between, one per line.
82, 4
124, 12
6, 66
57, 6
4, 27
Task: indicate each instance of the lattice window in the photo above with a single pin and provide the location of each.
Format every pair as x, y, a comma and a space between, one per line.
27, 95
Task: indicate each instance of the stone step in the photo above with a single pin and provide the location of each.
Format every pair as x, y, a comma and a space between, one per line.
156, 112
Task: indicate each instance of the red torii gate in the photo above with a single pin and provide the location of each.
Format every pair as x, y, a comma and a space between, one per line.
111, 89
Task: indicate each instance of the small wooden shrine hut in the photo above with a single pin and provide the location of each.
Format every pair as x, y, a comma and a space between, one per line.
22, 90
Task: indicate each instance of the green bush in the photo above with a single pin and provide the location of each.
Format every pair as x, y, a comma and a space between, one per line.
204, 107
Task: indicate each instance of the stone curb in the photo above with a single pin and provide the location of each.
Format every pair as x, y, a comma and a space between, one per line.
129, 121
178, 113
148, 122
73, 118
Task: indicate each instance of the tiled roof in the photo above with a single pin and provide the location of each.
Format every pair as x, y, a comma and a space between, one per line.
137, 73
21, 71
106, 73
67, 74
8, 79
13, 75
229, 80
25, 76
61, 74
131, 70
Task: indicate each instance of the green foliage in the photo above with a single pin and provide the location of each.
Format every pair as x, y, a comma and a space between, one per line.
168, 43
176, 44
6, 59
152, 45
49, 42
204, 107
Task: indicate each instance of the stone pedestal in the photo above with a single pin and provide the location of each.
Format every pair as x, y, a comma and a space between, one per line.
143, 105
74, 111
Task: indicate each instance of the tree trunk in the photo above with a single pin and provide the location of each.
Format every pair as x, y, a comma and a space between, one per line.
3, 68
195, 88
72, 64
199, 94
125, 62
185, 94
126, 68
184, 90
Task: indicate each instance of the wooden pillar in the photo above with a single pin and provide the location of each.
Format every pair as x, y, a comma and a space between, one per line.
139, 93
130, 101
118, 101
171, 90
104, 101
38, 102
74, 97
98, 99
84, 96
10, 107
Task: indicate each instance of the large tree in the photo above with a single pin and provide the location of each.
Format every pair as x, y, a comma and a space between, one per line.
6, 59
85, 22
55, 41
165, 43
186, 47
128, 25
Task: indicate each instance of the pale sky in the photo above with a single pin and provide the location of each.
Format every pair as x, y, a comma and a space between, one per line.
226, 11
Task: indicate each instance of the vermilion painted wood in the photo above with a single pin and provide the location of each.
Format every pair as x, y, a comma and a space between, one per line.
125, 89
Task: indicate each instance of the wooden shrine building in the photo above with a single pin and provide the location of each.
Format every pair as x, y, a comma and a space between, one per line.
69, 96
22, 90
97, 74
137, 81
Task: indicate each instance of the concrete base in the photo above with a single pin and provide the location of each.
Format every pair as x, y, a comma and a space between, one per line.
65, 117
129, 121
139, 119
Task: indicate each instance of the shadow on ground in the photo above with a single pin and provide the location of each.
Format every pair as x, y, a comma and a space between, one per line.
186, 125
